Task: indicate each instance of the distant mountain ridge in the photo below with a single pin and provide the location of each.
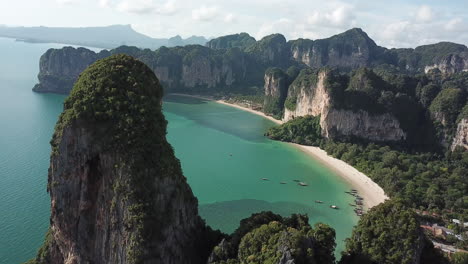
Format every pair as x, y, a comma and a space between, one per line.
101, 37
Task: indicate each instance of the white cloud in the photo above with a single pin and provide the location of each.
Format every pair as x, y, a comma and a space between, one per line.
230, 18
454, 24
144, 7
104, 3
424, 14
283, 25
136, 6
341, 16
168, 8
205, 13
67, 2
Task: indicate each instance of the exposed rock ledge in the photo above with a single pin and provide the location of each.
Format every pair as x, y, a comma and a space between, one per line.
315, 100
461, 136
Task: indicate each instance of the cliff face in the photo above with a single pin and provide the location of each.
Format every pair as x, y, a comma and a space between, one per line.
276, 89
461, 136
117, 190
194, 68
346, 123
450, 64
235, 62
309, 95
242, 41
351, 49
59, 68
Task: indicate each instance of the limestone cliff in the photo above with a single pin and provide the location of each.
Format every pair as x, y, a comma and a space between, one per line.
450, 64
351, 49
59, 68
117, 190
234, 63
461, 135
242, 41
192, 68
276, 89
310, 94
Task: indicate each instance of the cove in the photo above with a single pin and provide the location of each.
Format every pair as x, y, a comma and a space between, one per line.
222, 150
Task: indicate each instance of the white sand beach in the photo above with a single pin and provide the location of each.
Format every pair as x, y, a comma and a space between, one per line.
372, 193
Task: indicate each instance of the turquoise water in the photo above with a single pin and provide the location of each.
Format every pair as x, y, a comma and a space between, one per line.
222, 150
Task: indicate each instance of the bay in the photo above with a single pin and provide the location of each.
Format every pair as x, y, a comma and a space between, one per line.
223, 153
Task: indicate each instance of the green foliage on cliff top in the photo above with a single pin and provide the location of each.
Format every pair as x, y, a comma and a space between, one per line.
242, 41
448, 103
305, 79
463, 114
302, 130
425, 55
264, 237
121, 92
117, 100
389, 233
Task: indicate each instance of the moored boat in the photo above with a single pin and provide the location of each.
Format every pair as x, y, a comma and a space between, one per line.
303, 184
334, 207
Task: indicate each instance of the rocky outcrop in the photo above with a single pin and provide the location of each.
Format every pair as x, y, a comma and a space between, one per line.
450, 64
59, 68
309, 95
351, 49
241, 41
193, 69
117, 190
338, 123
276, 90
234, 62
272, 50
461, 135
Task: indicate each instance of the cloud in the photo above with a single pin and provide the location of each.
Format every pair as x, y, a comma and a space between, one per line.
143, 7
281, 25
424, 14
205, 13
455, 24
136, 6
168, 8
341, 16
230, 18
67, 2
104, 3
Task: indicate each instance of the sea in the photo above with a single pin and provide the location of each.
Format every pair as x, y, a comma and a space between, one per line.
223, 152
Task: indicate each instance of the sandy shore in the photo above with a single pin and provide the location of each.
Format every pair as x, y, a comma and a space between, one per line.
372, 193
232, 105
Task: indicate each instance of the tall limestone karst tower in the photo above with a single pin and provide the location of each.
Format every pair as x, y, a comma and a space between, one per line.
117, 190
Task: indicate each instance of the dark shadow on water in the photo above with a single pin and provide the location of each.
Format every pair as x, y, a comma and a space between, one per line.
225, 119
226, 216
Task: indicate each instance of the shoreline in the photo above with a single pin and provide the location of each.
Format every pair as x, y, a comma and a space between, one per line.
372, 193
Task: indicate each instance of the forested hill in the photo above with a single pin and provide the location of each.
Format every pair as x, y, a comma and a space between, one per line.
101, 37
239, 61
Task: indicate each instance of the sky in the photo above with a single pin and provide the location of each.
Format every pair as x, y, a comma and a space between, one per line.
391, 23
